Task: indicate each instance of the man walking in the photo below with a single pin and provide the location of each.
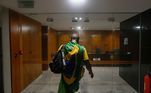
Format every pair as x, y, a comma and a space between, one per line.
76, 57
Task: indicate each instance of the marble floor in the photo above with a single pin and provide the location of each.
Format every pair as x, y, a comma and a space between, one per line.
106, 80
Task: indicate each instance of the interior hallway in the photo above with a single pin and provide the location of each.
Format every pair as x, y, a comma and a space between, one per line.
106, 80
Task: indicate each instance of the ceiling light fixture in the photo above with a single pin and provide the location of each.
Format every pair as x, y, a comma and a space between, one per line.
79, 28
80, 18
76, 19
77, 1
49, 19
72, 28
77, 4
26, 3
86, 19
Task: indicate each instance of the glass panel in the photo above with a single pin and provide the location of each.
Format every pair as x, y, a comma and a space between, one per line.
145, 60
127, 56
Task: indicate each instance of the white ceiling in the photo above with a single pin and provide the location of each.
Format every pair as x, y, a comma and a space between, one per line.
98, 11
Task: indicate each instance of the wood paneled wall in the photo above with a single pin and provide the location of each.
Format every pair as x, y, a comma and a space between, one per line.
49, 45
25, 50
52, 43
15, 48
63, 37
92, 40
31, 58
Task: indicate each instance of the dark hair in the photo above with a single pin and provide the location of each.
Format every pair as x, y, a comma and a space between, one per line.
75, 37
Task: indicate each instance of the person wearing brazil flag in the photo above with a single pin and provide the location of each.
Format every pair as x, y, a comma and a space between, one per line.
75, 58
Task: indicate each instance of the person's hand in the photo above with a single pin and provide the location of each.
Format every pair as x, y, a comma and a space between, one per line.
91, 74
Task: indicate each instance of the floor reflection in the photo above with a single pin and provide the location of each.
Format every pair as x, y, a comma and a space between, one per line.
106, 80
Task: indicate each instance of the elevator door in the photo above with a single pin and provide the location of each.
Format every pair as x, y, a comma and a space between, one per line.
1, 68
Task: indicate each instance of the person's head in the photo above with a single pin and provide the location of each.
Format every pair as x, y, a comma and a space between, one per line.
75, 38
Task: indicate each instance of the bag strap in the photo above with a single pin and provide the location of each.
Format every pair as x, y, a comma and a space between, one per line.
63, 56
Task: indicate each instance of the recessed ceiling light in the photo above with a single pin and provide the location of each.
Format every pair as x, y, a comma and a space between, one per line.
80, 18
76, 18
79, 28
86, 19
77, 1
49, 19
72, 28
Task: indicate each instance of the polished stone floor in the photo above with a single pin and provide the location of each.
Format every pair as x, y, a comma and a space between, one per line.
106, 80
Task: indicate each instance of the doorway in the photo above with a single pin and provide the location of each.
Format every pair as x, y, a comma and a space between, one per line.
1, 61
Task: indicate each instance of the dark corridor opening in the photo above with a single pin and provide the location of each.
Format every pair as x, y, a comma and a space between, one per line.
1, 63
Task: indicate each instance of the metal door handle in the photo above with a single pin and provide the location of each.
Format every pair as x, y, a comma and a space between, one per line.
20, 52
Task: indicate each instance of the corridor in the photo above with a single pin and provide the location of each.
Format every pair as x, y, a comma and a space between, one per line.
113, 36
106, 80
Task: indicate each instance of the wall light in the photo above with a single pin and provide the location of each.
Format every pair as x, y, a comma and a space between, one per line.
137, 27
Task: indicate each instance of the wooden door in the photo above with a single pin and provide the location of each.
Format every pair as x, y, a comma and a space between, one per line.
25, 50
25, 45
15, 48
25, 38
30, 44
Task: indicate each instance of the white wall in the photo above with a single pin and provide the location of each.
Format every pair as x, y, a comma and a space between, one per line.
6, 51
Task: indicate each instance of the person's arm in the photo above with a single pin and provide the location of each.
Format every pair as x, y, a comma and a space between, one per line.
87, 63
89, 68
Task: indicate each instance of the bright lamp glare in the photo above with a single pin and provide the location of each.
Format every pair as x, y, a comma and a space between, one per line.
138, 27
80, 18
76, 18
77, 1
79, 28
